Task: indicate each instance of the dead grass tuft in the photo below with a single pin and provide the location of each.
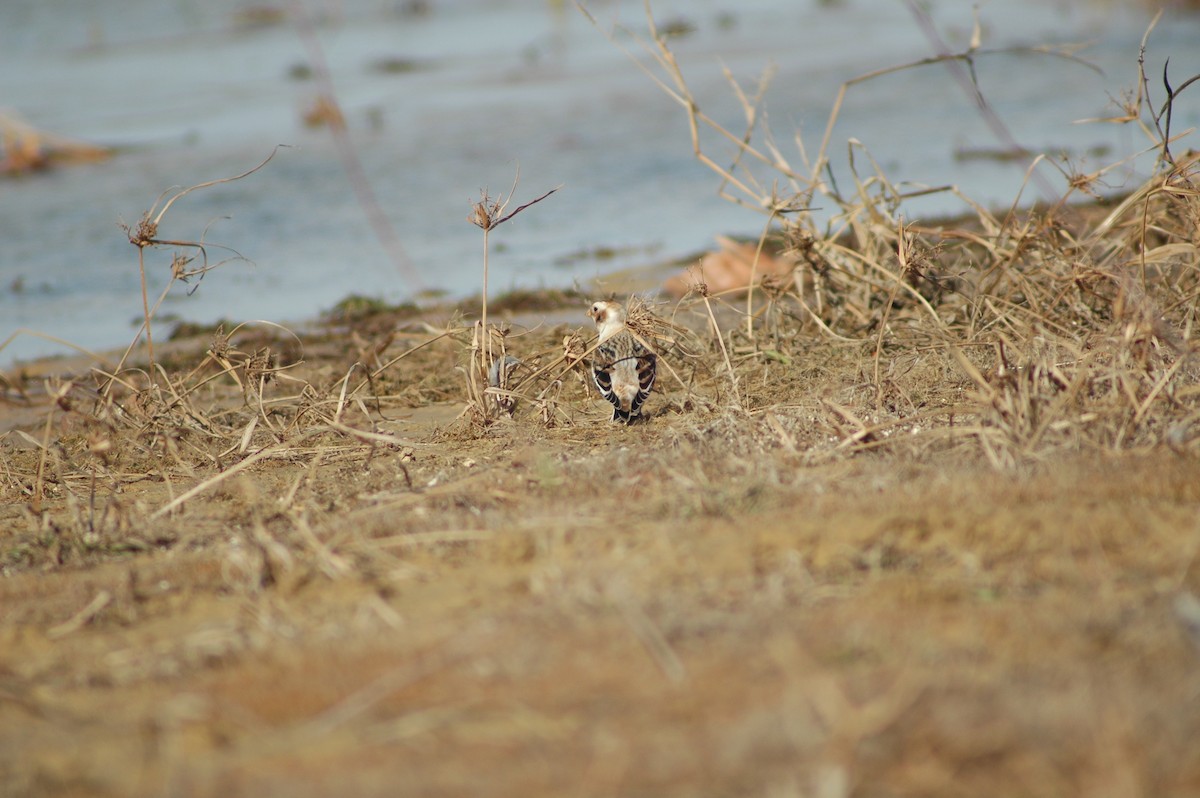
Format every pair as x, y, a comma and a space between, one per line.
1056, 329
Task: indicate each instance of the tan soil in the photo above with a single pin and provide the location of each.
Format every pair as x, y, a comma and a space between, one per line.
709, 603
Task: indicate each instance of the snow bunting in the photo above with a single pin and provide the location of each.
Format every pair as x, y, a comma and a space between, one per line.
622, 367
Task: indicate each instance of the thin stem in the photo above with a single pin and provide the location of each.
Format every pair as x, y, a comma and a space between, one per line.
364, 192
762, 240
146, 308
39, 482
733, 380
486, 349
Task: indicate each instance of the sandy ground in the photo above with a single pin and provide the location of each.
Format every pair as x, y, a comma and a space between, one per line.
707, 603
919, 518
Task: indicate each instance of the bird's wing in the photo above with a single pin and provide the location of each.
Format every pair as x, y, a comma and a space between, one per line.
602, 367
647, 370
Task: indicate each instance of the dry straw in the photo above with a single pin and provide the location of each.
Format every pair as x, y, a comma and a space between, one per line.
1067, 332
144, 235
1008, 335
487, 214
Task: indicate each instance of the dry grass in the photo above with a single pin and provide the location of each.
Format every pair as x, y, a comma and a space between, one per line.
1060, 330
919, 519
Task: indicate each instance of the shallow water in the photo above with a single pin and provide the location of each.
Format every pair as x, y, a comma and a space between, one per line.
188, 94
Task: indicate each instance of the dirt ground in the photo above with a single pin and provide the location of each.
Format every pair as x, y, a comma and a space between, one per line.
921, 517
717, 601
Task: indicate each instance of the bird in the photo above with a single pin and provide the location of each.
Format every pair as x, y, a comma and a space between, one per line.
622, 366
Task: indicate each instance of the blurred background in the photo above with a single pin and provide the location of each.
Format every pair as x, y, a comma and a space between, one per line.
442, 98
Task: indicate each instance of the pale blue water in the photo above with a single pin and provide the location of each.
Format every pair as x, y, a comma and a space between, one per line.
188, 96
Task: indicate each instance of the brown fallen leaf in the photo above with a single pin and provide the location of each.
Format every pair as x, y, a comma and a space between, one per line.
728, 269
26, 149
324, 111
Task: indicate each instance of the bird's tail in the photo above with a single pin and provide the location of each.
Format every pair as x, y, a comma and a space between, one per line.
625, 416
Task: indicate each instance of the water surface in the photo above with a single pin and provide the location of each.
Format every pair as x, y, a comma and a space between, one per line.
443, 103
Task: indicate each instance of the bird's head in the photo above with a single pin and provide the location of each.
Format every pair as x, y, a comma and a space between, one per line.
607, 315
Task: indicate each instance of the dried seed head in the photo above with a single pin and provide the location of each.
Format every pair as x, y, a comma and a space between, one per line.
573, 348
488, 213
219, 346
774, 285
143, 233
179, 263
61, 391
485, 214
261, 365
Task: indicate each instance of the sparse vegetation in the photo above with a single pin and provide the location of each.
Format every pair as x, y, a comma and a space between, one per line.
914, 517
